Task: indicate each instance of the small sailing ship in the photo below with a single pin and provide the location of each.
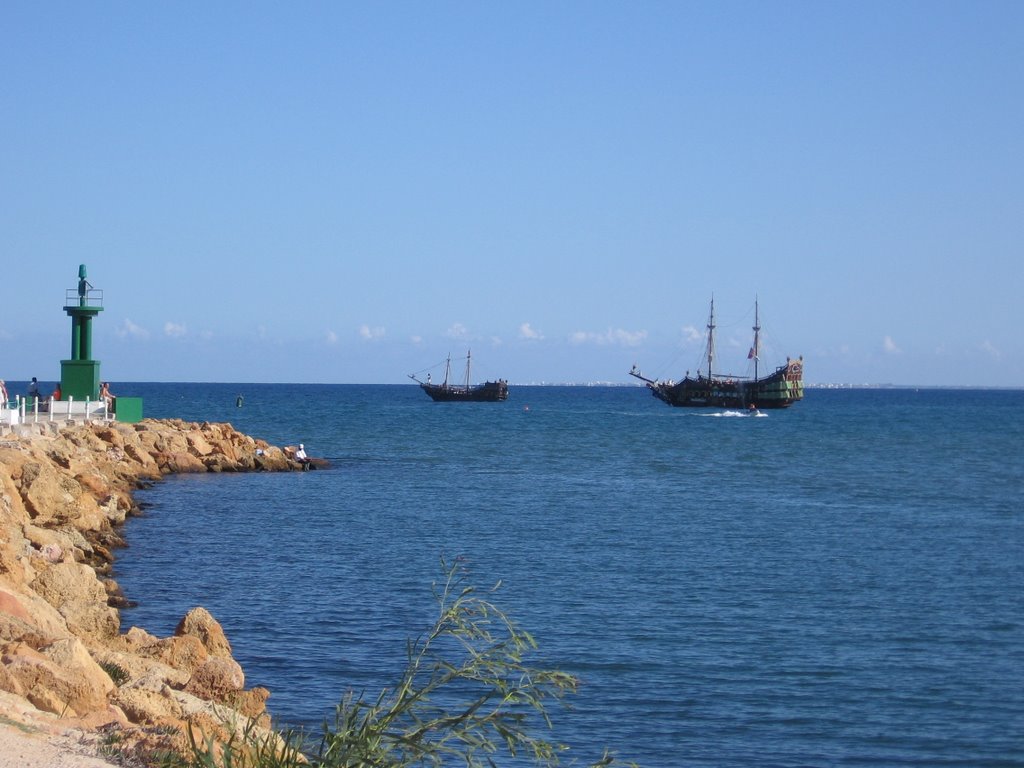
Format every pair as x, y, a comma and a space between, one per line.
779, 389
488, 392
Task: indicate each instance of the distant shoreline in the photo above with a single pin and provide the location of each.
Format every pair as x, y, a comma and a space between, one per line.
13, 385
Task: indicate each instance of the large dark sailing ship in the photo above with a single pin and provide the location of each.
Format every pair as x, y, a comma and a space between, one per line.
488, 392
779, 389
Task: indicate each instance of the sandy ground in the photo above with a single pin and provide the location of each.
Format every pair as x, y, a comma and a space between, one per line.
32, 739
21, 749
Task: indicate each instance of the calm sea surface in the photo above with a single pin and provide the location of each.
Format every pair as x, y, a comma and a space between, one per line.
841, 583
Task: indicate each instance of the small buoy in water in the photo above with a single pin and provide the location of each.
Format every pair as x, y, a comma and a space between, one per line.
526, 407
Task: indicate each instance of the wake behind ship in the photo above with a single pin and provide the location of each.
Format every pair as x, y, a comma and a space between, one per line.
780, 389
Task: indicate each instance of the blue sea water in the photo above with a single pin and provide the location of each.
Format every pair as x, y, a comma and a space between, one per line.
841, 583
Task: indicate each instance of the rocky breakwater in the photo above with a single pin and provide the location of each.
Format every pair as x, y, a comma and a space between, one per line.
66, 662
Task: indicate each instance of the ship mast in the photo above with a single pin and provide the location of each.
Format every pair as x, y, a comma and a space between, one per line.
447, 369
468, 355
757, 338
711, 337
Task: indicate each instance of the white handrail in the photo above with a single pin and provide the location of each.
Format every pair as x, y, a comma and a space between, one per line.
85, 410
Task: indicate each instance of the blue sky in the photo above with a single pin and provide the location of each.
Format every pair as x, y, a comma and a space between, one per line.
347, 192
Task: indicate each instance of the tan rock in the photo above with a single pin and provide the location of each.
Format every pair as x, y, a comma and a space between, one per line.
198, 445
99, 719
23, 630
178, 462
61, 678
218, 462
182, 652
252, 703
64, 489
49, 495
143, 669
111, 435
60, 453
91, 684
9, 682
27, 617
53, 553
223, 718
77, 593
41, 537
231, 450
136, 638
216, 679
199, 623
143, 458
94, 484
145, 705
11, 605
46, 699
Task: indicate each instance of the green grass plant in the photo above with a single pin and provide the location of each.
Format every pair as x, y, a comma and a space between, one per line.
467, 697
118, 674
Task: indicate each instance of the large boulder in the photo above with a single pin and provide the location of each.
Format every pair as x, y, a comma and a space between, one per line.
77, 593
216, 680
185, 653
198, 444
49, 495
148, 702
199, 623
61, 678
29, 619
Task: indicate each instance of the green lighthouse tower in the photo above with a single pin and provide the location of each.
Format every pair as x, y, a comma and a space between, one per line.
80, 376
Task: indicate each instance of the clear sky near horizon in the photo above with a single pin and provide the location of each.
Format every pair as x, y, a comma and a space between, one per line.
348, 192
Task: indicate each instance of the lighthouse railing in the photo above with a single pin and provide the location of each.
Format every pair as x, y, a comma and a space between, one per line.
93, 297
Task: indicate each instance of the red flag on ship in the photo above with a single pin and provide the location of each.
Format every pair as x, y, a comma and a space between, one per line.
752, 353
